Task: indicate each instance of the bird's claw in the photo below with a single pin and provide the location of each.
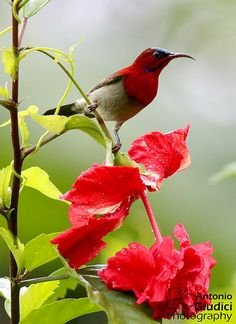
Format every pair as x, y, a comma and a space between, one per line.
92, 107
116, 147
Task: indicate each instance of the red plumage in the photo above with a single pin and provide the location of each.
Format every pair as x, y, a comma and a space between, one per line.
126, 92
140, 86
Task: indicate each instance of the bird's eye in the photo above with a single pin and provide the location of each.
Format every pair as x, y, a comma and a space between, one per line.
156, 54
161, 53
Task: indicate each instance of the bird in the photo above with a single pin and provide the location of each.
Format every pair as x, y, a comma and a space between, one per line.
123, 94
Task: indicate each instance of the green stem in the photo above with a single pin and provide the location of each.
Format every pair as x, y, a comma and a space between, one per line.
28, 282
5, 30
15, 10
88, 101
33, 149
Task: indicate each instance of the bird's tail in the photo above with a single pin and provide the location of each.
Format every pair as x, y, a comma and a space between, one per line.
78, 107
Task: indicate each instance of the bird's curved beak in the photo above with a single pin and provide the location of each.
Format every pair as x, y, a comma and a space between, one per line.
176, 55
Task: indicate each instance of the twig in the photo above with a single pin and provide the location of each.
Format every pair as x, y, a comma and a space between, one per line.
43, 279
45, 141
22, 30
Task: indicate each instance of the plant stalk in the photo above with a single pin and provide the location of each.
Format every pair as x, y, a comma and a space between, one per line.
12, 221
28, 282
151, 217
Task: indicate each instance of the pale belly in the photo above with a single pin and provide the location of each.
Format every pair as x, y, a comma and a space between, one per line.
114, 104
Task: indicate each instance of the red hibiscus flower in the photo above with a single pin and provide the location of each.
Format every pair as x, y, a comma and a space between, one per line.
170, 280
102, 195
104, 190
161, 155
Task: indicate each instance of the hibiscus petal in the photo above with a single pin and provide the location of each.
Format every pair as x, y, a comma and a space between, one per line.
101, 189
130, 269
80, 244
182, 236
161, 154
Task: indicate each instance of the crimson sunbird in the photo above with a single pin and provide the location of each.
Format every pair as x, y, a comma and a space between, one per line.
123, 94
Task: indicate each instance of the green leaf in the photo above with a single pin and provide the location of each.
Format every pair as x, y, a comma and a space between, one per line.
33, 6
61, 311
120, 307
5, 190
5, 292
10, 62
227, 172
24, 131
4, 92
91, 128
88, 126
7, 306
35, 296
39, 251
53, 123
38, 179
64, 284
5, 288
15, 246
22, 114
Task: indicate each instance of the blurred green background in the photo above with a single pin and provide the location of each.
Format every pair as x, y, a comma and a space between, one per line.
110, 34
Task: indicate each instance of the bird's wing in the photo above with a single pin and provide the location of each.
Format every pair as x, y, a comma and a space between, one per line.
113, 78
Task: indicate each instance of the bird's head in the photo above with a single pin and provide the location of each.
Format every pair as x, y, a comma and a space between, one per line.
155, 59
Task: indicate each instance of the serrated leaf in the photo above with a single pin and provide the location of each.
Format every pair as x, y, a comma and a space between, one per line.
5, 190
38, 179
88, 126
119, 307
64, 285
227, 172
15, 246
5, 288
10, 62
35, 296
39, 251
61, 311
33, 6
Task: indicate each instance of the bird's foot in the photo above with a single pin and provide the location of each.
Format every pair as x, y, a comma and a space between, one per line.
116, 147
92, 107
